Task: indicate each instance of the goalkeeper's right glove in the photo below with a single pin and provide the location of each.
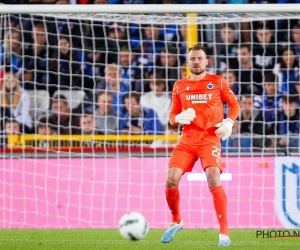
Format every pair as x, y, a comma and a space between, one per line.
186, 116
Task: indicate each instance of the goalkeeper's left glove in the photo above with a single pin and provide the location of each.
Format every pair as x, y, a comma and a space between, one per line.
224, 128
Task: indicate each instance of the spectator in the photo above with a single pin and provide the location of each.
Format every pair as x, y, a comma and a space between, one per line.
183, 70
116, 39
11, 51
287, 70
15, 101
151, 47
11, 127
288, 121
130, 72
211, 66
62, 120
251, 121
87, 124
269, 103
115, 84
107, 121
180, 41
71, 66
37, 60
157, 99
249, 78
44, 128
296, 40
227, 50
138, 120
265, 53
168, 66
230, 77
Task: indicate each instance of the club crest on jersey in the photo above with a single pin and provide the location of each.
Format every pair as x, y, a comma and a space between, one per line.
210, 86
188, 88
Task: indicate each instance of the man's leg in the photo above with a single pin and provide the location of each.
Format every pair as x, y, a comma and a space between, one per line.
172, 196
181, 161
220, 203
172, 192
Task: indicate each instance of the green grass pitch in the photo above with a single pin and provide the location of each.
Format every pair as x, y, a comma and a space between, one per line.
111, 239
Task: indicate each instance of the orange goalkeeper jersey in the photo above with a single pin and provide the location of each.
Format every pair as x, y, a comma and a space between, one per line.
206, 97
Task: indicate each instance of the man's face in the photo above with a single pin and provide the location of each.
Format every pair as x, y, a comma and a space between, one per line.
39, 35
132, 106
15, 39
288, 57
158, 87
112, 78
289, 108
64, 46
227, 35
229, 77
105, 102
270, 88
243, 55
60, 108
125, 57
10, 81
44, 130
87, 124
296, 35
152, 32
12, 128
196, 61
167, 59
264, 36
246, 104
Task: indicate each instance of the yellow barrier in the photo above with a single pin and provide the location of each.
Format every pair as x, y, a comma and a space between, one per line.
86, 141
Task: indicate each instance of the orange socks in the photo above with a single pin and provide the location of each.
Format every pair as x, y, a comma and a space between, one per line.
220, 203
172, 196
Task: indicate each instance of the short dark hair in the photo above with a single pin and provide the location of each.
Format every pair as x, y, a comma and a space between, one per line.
289, 98
270, 78
245, 45
134, 95
228, 25
170, 49
10, 120
263, 26
197, 47
102, 92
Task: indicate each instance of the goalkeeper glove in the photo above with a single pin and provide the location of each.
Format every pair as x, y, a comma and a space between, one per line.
186, 116
224, 128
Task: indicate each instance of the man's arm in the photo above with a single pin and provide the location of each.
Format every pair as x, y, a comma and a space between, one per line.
225, 127
175, 106
228, 96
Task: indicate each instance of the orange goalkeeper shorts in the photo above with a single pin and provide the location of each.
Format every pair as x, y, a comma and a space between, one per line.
184, 156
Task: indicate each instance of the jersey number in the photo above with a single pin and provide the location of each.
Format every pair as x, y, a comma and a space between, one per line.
216, 152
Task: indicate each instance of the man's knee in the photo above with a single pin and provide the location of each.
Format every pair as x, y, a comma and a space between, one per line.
213, 177
173, 177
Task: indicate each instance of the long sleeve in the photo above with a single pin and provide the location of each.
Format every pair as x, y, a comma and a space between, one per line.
228, 96
176, 106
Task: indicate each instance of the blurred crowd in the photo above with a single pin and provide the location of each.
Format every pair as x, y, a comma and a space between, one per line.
78, 76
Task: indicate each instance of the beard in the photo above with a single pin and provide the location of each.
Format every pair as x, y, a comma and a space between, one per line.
197, 71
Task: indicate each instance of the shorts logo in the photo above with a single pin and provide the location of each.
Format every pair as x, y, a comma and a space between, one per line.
188, 88
210, 86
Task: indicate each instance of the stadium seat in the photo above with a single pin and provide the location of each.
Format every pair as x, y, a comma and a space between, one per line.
74, 97
39, 102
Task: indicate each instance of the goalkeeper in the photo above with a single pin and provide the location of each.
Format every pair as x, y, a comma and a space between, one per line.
197, 104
